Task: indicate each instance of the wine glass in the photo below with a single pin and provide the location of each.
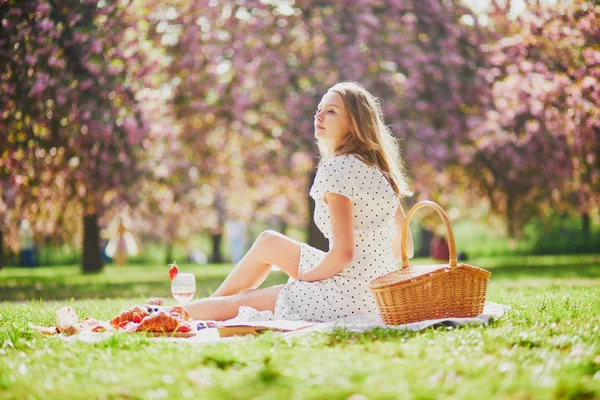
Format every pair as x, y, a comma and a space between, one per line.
183, 287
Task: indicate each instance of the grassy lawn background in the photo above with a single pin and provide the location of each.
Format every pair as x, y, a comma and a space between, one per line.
548, 346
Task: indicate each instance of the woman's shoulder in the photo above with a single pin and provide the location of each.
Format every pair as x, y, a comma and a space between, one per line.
344, 162
340, 166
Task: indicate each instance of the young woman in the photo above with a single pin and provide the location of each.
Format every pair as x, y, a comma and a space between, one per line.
357, 194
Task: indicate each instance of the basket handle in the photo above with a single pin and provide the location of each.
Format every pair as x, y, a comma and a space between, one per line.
450, 235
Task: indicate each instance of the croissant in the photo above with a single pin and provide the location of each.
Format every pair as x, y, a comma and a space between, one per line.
159, 322
128, 315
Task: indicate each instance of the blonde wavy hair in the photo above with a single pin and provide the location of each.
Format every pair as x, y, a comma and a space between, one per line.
370, 139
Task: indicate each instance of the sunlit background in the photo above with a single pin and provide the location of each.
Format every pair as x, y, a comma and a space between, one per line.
190, 123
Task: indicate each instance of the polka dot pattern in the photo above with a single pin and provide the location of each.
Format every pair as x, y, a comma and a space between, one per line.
347, 293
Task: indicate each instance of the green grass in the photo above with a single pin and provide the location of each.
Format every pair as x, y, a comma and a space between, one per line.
546, 347
554, 235
65, 282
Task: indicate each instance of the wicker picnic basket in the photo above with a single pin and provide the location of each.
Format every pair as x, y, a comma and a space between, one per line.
417, 293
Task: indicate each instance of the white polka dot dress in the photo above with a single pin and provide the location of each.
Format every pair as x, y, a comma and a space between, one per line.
374, 205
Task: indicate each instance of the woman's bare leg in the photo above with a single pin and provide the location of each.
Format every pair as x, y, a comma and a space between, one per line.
226, 307
271, 248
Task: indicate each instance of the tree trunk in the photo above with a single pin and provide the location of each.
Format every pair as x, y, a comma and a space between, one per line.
169, 254
425, 237
315, 237
217, 233
585, 226
92, 254
1, 249
282, 226
511, 224
216, 256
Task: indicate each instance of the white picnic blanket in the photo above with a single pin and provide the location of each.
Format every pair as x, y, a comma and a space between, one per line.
491, 311
354, 324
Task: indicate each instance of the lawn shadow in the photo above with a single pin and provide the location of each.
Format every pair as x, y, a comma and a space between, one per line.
64, 287
590, 271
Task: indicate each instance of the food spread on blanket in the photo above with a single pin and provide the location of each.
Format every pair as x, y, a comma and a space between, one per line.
153, 318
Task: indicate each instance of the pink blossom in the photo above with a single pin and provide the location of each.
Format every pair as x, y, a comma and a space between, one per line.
46, 25
42, 7
8, 89
86, 84
106, 131
588, 82
80, 37
55, 62
40, 85
114, 70
135, 135
369, 19
30, 59
93, 68
96, 46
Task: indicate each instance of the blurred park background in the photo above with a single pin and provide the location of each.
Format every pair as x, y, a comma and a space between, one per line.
191, 122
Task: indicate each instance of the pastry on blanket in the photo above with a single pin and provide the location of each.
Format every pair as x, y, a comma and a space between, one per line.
93, 325
155, 301
89, 323
134, 314
67, 321
159, 322
128, 326
44, 330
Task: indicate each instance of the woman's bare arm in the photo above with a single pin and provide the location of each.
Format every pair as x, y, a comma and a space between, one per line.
342, 249
396, 245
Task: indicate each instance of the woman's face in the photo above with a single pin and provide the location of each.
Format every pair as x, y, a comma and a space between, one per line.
332, 121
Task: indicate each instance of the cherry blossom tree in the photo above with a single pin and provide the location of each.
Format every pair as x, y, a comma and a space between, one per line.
537, 146
69, 76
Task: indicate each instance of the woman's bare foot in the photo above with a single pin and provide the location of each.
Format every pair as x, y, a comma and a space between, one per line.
182, 312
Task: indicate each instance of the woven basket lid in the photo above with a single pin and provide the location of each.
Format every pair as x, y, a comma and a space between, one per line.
416, 273
412, 273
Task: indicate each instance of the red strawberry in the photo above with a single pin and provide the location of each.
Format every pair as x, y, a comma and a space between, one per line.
173, 271
123, 324
183, 328
137, 319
